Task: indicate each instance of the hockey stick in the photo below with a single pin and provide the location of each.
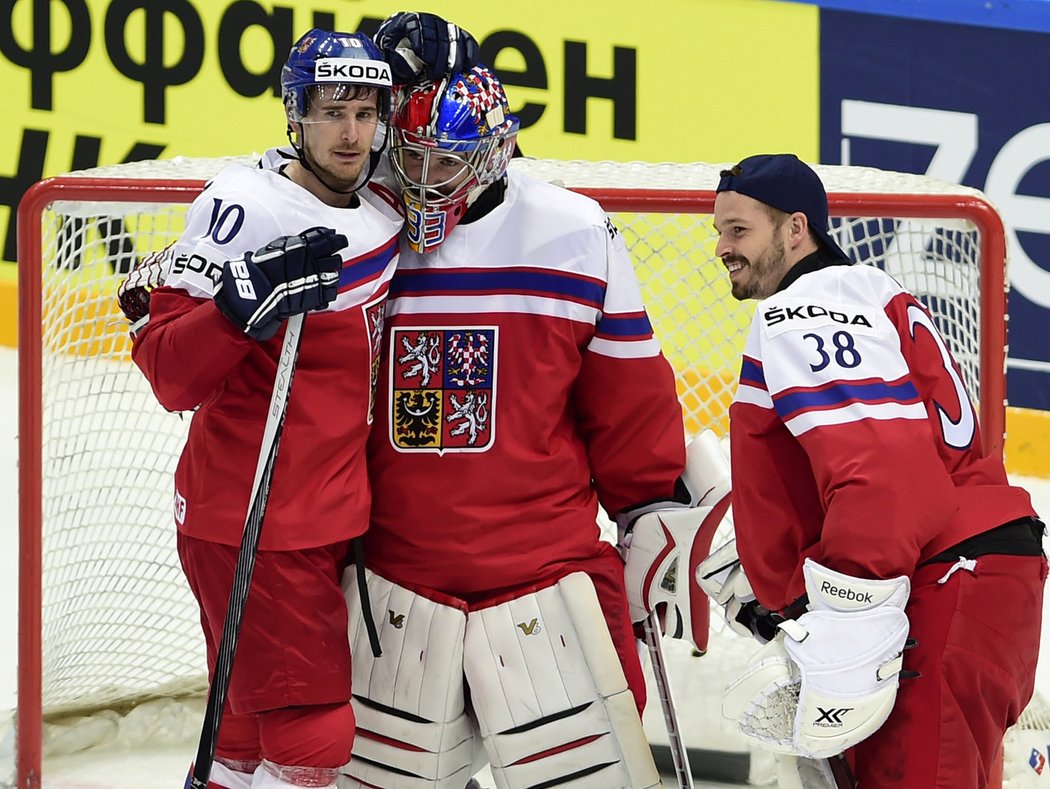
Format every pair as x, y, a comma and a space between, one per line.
242, 573
679, 755
840, 772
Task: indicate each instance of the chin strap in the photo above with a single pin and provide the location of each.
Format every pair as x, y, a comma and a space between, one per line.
300, 152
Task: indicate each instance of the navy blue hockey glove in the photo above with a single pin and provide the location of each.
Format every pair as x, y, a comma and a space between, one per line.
288, 276
420, 46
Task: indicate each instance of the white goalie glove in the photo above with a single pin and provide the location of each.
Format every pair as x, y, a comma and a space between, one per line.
665, 544
830, 678
722, 577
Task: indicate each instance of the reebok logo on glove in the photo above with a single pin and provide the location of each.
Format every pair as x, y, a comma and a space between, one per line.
830, 590
245, 289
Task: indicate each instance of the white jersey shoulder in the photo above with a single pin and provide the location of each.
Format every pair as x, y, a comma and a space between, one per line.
552, 213
536, 224
244, 208
844, 296
825, 351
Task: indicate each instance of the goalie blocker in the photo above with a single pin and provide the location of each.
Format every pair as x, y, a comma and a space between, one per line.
664, 543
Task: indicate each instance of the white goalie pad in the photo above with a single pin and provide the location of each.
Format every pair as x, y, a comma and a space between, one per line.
666, 546
830, 679
550, 694
413, 730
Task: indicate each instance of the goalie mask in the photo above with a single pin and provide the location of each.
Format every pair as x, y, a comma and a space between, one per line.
325, 66
451, 139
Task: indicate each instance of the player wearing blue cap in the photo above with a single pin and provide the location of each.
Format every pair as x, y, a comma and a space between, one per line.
905, 574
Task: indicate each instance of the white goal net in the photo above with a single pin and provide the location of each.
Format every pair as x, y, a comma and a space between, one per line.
106, 619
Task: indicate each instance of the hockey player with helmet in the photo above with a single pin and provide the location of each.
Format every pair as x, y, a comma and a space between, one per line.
520, 387
260, 246
904, 570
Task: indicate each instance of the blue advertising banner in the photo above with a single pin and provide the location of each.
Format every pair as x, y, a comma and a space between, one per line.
967, 105
1011, 14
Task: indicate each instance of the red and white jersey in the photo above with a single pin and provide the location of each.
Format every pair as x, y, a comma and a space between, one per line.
853, 440
520, 384
195, 358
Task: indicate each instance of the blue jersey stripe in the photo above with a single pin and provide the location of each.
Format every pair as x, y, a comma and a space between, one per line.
367, 266
621, 327
843, 393
751, 373
478, 282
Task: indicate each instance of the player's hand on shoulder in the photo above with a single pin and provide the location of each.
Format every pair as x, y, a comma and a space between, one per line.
421, 46
289, 276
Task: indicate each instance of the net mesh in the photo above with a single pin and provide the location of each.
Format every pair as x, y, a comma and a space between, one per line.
119, 623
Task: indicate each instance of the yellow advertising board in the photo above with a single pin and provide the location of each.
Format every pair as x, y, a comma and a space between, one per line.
95, 82
104, 81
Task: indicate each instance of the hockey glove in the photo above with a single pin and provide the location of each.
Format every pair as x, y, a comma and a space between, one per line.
289, 276
665, 544
421, 46
829, 679
722, 577
133, 292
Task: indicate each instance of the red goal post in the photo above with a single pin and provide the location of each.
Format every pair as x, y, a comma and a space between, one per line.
105, 619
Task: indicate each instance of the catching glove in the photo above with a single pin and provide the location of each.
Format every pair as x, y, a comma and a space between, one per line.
289, 276
420, 46
829, 679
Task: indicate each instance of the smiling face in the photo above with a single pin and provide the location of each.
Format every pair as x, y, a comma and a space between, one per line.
758, 244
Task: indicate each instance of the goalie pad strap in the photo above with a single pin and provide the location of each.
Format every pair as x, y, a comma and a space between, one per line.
550, 694
412, 726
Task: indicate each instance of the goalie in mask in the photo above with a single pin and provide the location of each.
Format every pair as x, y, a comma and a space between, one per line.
520, 387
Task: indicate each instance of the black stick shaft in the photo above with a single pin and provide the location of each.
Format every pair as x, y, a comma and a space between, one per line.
242, 573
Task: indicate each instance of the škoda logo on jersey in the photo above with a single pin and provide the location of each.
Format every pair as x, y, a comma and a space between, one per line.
443, 388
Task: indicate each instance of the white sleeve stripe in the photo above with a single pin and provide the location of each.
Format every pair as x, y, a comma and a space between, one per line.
854, 413
753, 395
631, 349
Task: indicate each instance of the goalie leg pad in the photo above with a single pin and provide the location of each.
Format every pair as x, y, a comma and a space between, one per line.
550, 694
413, 730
